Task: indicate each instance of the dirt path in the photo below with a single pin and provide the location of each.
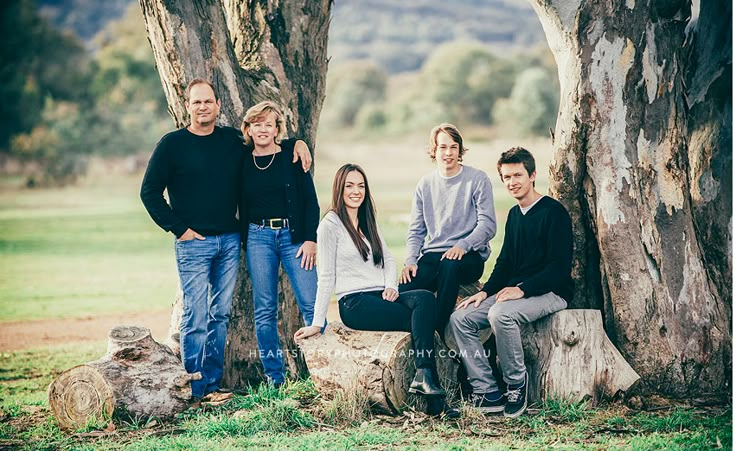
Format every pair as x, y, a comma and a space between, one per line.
18, 335
48, 332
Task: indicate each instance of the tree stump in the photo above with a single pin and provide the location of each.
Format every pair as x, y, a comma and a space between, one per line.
568, 355
138, 377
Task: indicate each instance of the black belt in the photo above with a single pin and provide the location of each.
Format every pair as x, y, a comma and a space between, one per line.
273, 223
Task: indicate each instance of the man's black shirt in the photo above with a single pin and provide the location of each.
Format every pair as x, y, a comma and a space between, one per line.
202, 176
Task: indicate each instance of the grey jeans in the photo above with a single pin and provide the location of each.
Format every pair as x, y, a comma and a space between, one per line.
505, 319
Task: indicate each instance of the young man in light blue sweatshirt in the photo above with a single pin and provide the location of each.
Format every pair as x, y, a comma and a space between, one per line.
452, 222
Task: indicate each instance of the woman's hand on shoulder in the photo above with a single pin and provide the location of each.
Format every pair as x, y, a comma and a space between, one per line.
306, 332
301, 152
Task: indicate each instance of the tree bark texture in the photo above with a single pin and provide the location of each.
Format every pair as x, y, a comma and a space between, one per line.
643, 163
138, 377
378, 364
252, 51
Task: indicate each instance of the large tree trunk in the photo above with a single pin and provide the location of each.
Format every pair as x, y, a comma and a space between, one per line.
643, 163
251, 51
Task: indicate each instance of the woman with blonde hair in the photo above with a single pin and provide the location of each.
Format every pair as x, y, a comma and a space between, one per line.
279, 214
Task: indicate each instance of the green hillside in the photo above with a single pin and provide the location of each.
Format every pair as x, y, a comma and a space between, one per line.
399, 35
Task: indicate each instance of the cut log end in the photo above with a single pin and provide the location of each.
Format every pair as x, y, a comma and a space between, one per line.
80, 396
128, 334
137, 378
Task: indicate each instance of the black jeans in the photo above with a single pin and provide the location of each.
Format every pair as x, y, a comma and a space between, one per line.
445, 277
413, 312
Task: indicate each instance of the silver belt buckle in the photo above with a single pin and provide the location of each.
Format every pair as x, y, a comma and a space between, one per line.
270, 224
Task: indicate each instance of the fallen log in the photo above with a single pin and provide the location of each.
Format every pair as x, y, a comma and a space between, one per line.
137, 377
379, 364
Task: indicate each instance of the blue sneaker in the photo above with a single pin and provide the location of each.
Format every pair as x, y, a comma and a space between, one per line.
516, 399
486, 404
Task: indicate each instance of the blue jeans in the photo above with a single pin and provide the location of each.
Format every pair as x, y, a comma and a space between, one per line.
207, 271
266, 249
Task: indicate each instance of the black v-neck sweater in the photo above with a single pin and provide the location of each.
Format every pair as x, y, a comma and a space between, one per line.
536, 254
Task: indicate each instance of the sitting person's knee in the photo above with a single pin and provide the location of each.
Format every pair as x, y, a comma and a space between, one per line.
500, 314
458, 319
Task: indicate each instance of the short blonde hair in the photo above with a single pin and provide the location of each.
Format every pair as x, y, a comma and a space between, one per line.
453, 133
259, 112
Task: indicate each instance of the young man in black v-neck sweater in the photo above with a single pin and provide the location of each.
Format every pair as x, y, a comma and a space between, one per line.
531, 279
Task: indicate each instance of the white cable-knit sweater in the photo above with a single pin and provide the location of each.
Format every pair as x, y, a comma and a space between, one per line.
342, 269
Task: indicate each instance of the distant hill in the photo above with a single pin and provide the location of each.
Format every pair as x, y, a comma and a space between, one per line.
397, 35
83, 17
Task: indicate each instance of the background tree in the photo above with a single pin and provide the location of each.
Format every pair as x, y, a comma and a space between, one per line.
466, 80
351, 87
643, 162
36, 61
532, 106
65, 104
129, 114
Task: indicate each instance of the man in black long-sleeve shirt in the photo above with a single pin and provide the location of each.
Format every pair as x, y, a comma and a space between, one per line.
531, 279
199, 166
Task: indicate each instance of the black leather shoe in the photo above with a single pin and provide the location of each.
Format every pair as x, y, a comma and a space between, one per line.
424, 384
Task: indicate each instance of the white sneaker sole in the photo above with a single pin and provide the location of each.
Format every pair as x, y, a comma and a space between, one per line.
494, 409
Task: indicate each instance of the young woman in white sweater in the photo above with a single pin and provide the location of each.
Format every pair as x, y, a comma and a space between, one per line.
355, 264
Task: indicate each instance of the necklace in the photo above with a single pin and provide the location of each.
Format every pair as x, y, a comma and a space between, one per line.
273, 157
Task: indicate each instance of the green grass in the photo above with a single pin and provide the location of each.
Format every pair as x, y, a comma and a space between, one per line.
25, 375
297, 417
81, 250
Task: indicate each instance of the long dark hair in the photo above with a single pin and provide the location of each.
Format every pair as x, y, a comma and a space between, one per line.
366, 215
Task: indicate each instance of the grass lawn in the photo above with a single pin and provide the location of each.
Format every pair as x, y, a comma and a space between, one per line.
297, 417
81, 250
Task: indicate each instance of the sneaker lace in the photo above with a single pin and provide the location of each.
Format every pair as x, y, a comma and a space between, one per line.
514, 395
476, 399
